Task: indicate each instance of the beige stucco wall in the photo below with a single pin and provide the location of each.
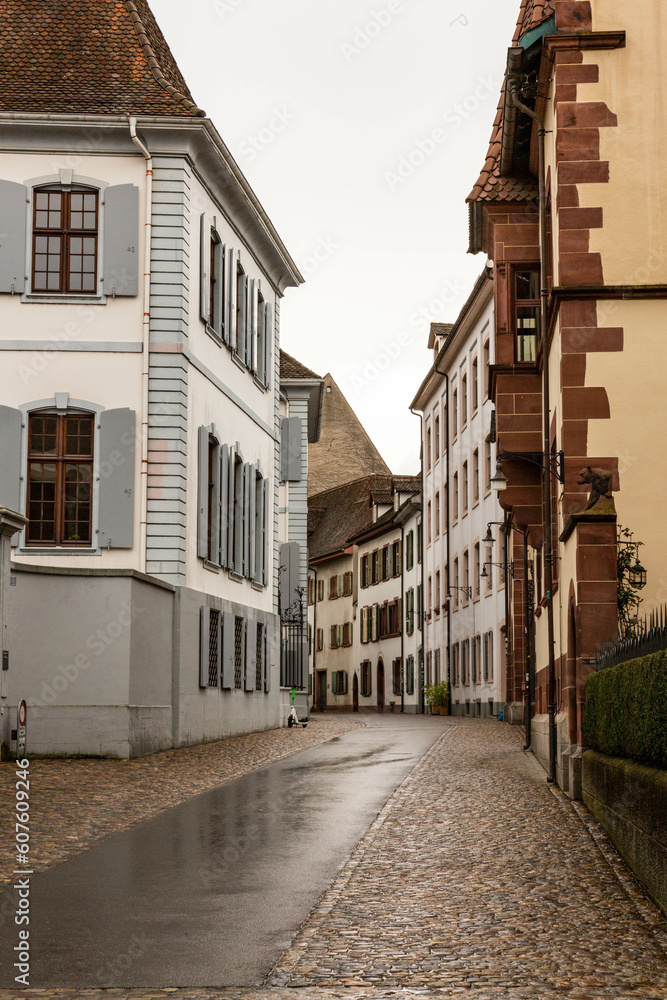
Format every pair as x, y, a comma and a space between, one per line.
633, 84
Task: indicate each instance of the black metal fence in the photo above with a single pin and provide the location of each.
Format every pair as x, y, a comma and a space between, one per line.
650, 637
293, 655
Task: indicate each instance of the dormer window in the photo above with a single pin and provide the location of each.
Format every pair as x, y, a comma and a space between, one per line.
65, 240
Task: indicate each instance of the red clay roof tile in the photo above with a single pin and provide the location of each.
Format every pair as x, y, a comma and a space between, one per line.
490, 185
88, 57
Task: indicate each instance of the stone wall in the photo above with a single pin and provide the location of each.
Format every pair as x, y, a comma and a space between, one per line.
630, 803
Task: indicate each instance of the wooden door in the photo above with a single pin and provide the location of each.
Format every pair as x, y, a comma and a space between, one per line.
355, 693
380, 686
321, 690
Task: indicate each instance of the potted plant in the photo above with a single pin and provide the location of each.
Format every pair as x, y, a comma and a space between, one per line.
437, 696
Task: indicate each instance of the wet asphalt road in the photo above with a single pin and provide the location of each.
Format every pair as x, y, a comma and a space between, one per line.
210, 893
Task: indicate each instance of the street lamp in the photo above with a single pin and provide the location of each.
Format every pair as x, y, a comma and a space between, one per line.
466, 590
553, 465
637, 576
488, 538
505, 566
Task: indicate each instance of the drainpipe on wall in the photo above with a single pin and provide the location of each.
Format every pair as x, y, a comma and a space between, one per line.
422, 616
146, 341
507, 528
546, 413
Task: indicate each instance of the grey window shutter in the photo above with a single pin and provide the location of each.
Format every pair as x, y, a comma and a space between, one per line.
204, 265
251, 655
252, 525
10, 456
261, 342
291, 449
247, 572
267, 664
242, 317
238, 516
290, 563
253, 324
265, 515
231, 527
224, 505
116, 472
269, 343
13, 212
202, 495
231, 299
203, 647
219, 299
228, 624
121, 240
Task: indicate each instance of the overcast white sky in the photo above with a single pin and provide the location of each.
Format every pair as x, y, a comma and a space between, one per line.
362, 126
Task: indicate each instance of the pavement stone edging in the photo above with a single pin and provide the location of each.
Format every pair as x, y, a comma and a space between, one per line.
279, 976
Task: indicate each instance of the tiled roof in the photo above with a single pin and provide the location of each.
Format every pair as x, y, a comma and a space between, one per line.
337, 516
490, 185
438, 330
290, 368
88, 57
344, 452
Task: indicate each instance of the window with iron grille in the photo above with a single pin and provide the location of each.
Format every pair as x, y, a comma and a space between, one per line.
490, 656
64, 242
259, 660
239, 634
213, 647
366, 679
396, 676
60, 476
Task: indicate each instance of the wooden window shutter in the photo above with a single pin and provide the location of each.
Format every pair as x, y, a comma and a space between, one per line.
203, 646
228, 623
121, 240
224, 506
251, 655
10, 455
117, 478
13, 210
202, 494
230, 288
204, 265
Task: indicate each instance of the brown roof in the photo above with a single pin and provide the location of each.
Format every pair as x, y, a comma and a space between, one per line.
490, 185
290, 368
438, 330
344, 452
88, 57
337, 516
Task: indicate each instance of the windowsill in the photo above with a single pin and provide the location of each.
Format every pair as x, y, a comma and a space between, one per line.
64, 299
475, 503
487, 492
214, 335
211, 566
55, 551
260, 385
237, 361
236, 577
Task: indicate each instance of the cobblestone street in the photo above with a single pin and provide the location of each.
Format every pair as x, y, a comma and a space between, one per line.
476, 880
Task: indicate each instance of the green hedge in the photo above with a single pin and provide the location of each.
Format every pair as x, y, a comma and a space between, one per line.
625, 712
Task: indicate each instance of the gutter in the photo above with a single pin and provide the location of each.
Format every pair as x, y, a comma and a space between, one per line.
143, 543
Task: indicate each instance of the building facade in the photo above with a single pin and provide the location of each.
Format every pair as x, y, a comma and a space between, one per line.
577, 383
140, 287
364, 594
465, 574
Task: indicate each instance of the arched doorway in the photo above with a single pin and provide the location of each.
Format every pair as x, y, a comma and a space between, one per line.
380, 686
355, 693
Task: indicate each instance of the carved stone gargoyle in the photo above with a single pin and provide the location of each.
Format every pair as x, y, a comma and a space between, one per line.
601, 499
